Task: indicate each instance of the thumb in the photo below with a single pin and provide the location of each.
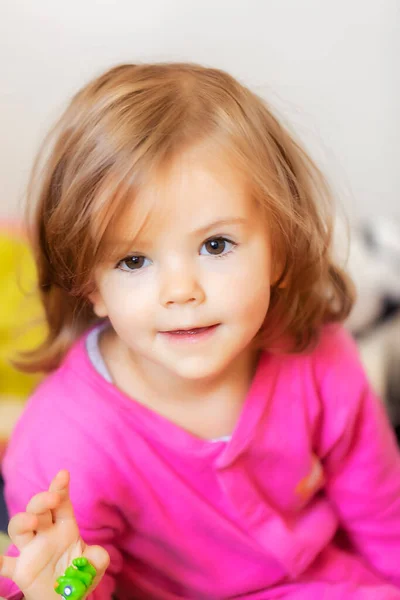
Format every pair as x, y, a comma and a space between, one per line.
100, 559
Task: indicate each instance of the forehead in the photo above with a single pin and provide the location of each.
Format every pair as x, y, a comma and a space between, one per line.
197, 189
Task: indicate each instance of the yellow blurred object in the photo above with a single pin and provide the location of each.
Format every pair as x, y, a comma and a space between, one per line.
21, 323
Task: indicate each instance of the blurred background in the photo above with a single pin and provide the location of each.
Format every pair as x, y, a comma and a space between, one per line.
329, 69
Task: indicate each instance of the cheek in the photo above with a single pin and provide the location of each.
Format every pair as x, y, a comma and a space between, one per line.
127, 301
244, 291
249, 303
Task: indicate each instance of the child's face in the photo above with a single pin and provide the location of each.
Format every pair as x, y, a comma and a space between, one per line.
195, 295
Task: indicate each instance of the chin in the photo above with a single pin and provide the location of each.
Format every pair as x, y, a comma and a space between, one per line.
199, 370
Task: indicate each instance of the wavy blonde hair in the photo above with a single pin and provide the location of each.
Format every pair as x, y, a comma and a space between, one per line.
116, 132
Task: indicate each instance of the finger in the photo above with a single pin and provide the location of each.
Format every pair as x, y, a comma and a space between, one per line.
60, 482
42, 502
21, 529
100, 559
42, 505
7, 566
60, 485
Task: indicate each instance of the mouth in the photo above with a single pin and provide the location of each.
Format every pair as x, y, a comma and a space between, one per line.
193, 333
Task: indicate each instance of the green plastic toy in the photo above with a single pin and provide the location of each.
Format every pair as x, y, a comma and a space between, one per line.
77, 579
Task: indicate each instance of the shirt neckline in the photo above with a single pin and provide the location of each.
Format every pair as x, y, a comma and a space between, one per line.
160, 429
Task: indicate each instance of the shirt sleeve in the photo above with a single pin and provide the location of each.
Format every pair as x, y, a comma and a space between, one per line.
361, 459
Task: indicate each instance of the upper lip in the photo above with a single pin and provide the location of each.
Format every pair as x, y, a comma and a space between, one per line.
192, 328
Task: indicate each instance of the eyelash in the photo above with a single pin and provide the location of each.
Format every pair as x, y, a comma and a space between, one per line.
220, 239
211, 239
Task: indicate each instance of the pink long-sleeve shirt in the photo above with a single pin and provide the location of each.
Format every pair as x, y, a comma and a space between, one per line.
302, 502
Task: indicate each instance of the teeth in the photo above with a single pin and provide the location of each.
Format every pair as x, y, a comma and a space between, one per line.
190, 331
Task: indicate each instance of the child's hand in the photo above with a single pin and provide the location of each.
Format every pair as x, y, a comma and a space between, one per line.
47, 537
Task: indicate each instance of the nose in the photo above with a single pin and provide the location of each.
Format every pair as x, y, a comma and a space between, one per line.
180, 286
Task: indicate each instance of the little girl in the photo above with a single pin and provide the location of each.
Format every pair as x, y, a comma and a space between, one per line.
220, 435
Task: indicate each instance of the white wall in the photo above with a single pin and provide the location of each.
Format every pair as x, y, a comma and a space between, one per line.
329, 66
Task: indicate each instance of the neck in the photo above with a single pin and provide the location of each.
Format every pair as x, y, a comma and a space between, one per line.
236, 377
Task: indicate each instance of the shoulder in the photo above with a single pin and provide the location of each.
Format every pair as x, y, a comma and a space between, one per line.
342, 388
65, 419
74, 385
332, 363
328, 383
335, 344
61, 393
336, 361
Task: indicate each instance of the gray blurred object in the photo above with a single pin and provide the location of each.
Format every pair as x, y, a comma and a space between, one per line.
374, 264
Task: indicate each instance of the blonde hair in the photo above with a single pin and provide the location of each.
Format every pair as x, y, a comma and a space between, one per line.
114, 135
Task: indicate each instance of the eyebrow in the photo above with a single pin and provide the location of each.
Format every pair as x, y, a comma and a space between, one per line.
220, 223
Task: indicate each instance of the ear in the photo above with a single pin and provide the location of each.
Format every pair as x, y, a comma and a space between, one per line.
280, 275
99, 307
279, 280
281, 283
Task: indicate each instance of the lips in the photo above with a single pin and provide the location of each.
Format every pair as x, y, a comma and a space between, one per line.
191, 331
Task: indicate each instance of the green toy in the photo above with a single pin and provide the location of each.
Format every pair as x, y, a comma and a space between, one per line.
77, 579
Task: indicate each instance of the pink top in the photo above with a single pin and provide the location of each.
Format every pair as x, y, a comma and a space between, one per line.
303, 502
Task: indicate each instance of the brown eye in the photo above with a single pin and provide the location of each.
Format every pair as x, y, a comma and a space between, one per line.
217, 247
132, 263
